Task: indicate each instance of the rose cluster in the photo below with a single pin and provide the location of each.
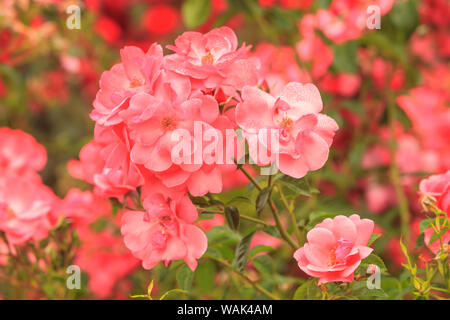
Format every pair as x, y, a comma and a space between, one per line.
209, 83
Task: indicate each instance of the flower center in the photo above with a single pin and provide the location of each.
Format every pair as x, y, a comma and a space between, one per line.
168, 123
286, 123
135, 82
338, 254
5, 211
208, 59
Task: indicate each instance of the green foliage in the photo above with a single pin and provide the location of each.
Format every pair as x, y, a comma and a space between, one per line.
184, 277
195, 12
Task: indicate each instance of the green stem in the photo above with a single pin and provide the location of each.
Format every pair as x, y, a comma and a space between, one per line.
252, 180
243, 217
297, 232
246, 278
279, 226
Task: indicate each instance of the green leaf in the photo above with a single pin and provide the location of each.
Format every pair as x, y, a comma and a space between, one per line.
302, 291
204, 275
376, 260
195, 12
184, 277
264, 264
239, 199
425, 224
420, 241
297, 187
373, 238
404, 15
242, 250
262, 199
271, 230
172, 292
222, 232
232, 217
258, 249
149, 289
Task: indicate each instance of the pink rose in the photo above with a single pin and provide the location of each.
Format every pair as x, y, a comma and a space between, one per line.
26, 209
213, 59
20, 152
105, 162
438, 187
136, 73
335, 248
165, 231
304, 135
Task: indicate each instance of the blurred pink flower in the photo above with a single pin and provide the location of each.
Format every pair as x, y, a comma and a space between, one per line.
26, 208
20, 152
437, 187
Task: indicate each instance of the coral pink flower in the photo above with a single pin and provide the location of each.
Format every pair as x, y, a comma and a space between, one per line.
83, 207
105, 162
25, 208
213, 59
379, 197
437, 187
346, 19
311, 47
153, 120
304, 134
430, 118
335, 248
164, 232
20, 152
344, 84
136, 73
106, 260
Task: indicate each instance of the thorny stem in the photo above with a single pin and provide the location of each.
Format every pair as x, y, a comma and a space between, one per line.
246, 278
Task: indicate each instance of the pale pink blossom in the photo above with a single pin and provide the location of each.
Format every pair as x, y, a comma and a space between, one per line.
136, 73
213, 59
20, 152
164, 232
335, 248
437, 187
26, 209
304, 134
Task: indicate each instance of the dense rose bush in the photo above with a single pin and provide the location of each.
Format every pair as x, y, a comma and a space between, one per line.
276, 149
